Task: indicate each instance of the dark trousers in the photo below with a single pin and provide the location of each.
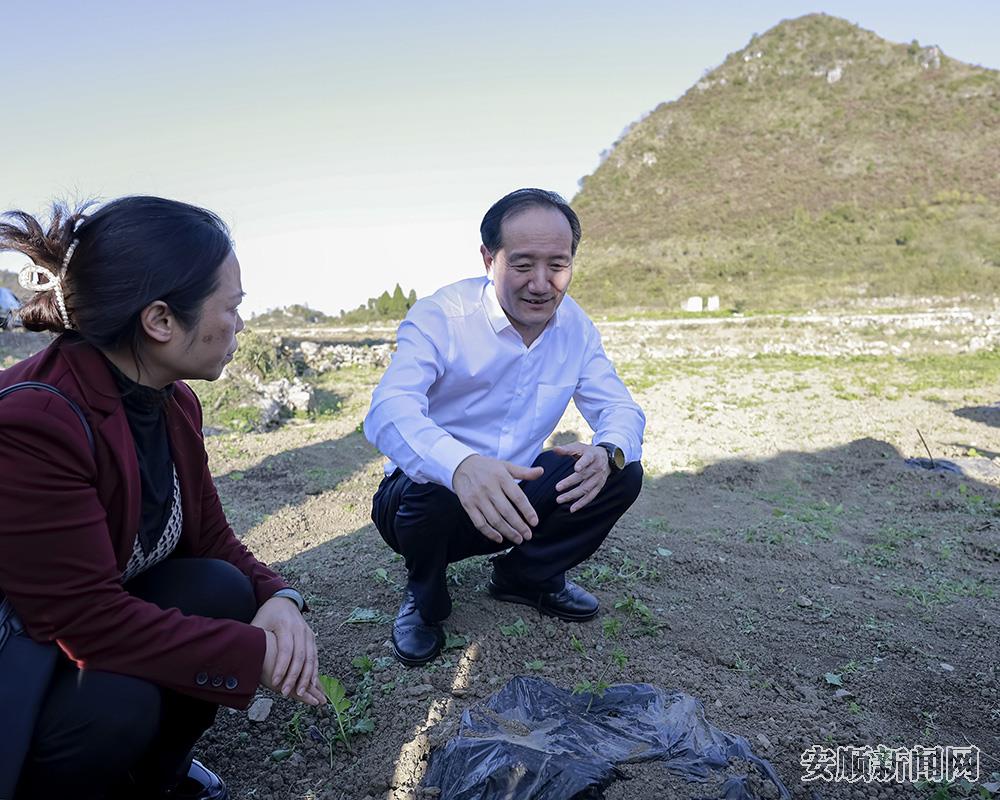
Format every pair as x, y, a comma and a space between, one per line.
103, 735
426, 524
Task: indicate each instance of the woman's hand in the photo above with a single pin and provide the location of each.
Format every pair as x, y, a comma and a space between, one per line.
290, 664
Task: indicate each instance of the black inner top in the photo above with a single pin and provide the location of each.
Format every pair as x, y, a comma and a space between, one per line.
145, 408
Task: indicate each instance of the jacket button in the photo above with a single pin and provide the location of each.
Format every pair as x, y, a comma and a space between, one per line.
201, 678
231, 683
216, 681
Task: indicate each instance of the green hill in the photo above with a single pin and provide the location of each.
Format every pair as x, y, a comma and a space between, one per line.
818, 165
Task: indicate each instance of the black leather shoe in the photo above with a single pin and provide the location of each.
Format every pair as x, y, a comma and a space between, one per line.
415, 641
572, 602
199, 784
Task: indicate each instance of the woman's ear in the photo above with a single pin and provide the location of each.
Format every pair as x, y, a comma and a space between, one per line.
158, 322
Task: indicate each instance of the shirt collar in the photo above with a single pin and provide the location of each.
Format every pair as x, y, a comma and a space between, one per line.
494, 312
497, 317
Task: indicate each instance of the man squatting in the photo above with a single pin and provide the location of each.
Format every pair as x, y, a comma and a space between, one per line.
483, 372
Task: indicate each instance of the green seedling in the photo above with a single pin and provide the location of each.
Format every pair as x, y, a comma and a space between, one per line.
363, 664
536, 665
635, 612
382, 575
361, 616
339, 704
517, 628
293, 729
351, 716
465, 572
740, 664
455, 641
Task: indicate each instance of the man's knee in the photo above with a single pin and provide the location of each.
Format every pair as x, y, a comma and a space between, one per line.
425, 508
424, 504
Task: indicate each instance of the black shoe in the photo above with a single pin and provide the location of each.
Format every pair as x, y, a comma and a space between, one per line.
415, 641
199, 784
572, 602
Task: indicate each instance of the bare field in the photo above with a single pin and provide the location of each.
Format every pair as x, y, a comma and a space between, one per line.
804, 583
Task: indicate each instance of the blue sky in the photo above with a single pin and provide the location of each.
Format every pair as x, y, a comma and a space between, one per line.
354, 145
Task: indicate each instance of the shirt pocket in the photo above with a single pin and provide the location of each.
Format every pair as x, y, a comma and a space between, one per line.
550, 404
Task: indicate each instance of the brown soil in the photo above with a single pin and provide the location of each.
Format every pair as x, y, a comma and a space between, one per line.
779, 537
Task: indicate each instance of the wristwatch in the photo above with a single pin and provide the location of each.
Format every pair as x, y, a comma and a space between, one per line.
616, 456
293, 595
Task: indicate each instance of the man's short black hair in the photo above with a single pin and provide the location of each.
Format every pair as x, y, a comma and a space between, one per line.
519, 200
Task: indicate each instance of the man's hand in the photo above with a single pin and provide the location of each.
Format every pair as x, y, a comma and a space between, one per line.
290, 664
488, 491
589, 475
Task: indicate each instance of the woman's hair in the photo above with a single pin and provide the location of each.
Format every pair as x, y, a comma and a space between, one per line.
129, 253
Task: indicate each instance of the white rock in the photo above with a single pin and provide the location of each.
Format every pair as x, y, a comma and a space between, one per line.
260, 710
693, 304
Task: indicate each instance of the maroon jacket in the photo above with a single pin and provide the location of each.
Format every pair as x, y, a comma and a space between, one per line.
68, 523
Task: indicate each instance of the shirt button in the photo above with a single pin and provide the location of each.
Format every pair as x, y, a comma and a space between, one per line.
216, 681
231, 683
201, 678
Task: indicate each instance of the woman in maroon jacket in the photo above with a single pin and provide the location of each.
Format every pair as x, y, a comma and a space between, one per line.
119, 551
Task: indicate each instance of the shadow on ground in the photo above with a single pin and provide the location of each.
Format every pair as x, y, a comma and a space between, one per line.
987, 415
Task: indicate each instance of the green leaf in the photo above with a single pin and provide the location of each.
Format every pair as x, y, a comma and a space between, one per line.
363, 726
589, 687
575, 643
382, 574
335, 693
360, 616
518, 628
454, 641
282, 754
363, 663
834, 679
536, 665
238, 476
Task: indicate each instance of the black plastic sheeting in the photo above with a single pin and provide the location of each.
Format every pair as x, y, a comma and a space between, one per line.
534, 741
937, 465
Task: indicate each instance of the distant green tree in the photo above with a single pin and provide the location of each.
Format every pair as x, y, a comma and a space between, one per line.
399, 306
384, 307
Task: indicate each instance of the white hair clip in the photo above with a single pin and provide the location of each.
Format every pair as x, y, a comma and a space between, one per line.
31, 278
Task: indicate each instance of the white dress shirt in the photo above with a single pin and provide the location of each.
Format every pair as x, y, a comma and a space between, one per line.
462, 382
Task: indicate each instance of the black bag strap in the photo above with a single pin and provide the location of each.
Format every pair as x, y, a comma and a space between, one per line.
44, 387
